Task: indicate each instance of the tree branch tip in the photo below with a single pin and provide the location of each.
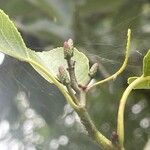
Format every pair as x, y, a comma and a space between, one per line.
129, 32
68, 49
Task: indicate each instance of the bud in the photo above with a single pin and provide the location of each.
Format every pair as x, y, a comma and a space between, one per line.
93, 70
68, 49
63, 75
114, 137
70, 43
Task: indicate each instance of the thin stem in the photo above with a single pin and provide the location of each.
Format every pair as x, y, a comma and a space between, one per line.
82, 98
120, 121
112, 77
71, 92
71, 70
102, 141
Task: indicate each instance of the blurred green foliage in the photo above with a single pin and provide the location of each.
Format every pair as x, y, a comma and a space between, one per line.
98, 28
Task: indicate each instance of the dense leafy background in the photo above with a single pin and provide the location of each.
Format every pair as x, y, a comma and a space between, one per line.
32, 110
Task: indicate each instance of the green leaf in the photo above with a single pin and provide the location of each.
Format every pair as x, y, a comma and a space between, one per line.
131, 79
52, 59
146, 72
143, 85
146, 64
12, 44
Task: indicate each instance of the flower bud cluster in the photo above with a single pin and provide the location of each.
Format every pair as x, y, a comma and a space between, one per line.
63, 75
68, 49
93, 70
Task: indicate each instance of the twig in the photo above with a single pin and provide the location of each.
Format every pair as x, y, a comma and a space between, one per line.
102, 141
71, 92
71, 70
120, 121
80, 99
112, 77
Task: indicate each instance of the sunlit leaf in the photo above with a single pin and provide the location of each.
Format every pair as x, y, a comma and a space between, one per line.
11, 42
52, 59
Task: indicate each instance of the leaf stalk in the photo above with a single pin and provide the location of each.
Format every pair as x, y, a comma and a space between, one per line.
123, 101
